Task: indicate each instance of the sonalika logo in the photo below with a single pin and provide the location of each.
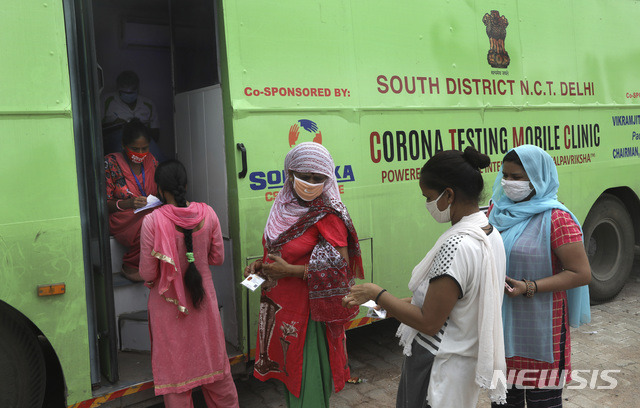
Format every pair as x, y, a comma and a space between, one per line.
496, 24
304, 130
310, 132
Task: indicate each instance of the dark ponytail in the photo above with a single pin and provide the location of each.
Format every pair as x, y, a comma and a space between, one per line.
171, 176
457, 170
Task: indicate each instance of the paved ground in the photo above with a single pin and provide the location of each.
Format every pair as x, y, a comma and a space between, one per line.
610, 342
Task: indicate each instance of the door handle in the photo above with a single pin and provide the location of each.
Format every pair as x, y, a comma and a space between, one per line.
243, 150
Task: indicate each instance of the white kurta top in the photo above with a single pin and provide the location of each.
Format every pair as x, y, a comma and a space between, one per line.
455, 347
145, 111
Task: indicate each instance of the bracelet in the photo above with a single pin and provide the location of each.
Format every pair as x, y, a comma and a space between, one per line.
531, 288
306, 272
117, 206
536, 283
378, 297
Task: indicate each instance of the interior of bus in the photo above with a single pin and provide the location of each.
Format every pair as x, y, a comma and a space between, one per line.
172, 47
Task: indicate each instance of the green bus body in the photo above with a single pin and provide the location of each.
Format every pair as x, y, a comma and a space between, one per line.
40, 223
387, 85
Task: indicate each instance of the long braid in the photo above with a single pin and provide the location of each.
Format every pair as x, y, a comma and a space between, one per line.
171, 176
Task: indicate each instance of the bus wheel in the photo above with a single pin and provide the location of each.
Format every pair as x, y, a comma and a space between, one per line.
609, 241
22, 367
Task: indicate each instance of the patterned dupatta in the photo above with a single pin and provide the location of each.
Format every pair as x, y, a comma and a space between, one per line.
329, 278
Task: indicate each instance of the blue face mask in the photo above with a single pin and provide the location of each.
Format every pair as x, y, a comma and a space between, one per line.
129, 97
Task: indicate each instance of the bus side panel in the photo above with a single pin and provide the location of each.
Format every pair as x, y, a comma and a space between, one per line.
386, 87
40, 226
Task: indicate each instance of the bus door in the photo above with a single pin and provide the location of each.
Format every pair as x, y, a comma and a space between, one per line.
85, 82
200, 135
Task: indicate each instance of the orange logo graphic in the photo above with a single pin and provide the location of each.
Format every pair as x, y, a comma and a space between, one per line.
309, 129
496, 24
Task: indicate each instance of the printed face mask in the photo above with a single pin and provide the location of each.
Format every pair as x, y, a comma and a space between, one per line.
439, 216
516, 190
307, 191
135, 157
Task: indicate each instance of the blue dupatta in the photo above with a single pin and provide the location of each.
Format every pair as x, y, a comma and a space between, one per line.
511, 219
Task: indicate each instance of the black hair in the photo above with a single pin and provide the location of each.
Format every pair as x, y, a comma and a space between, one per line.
171, 176
457, 170
132, 131
513, 157
128, 79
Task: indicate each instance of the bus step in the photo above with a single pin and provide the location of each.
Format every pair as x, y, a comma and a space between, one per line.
134, 331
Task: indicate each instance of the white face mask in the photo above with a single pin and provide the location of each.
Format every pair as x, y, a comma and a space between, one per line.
516, 190
439, 216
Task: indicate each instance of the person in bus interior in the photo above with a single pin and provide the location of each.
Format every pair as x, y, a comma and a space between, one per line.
451, 327
179, 241
311, 257
127, 104
130, 179
548, 269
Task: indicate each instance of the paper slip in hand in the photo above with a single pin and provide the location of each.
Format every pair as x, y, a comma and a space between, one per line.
373, 312
253, 282
152, 201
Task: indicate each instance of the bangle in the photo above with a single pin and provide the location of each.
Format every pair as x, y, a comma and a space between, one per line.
117, 206
306, 272
536, 283
378, 297
530, 288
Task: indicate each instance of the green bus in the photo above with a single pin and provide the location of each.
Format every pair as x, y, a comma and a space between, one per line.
382, 85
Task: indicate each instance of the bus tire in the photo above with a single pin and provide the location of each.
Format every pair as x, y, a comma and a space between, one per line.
609, 242
22, 366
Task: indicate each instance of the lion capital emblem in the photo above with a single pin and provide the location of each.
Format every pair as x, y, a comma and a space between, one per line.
496, 25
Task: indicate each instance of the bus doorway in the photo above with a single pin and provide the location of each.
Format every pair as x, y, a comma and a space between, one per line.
172, 48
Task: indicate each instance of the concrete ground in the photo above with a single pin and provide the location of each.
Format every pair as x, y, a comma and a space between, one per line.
610, 342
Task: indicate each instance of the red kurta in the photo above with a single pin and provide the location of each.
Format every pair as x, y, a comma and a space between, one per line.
186, 350
121, 185
284, 314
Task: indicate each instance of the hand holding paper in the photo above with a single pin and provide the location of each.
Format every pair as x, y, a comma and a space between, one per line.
372, 312
152, 201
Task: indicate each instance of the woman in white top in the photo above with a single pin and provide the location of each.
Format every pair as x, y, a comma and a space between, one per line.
451, 327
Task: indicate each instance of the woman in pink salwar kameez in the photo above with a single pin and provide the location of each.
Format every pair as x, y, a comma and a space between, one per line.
178, 243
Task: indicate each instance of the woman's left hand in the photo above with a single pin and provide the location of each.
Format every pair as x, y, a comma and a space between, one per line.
278, 269
360, 294
519, 287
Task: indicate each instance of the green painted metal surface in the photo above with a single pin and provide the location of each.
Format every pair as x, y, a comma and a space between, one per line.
389, 84
40, 234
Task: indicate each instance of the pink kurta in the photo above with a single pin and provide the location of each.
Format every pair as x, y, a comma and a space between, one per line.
187, 350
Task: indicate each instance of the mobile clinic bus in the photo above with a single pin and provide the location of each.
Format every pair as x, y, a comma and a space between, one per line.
382, 85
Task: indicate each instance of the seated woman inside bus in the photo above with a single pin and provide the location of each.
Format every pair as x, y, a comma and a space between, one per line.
130, 179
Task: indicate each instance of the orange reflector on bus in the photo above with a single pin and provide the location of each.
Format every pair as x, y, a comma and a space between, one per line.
49, 290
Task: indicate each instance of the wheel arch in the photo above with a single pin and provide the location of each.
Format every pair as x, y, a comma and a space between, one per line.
55, 391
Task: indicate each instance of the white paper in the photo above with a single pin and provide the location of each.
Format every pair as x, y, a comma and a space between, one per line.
373, 312
369, 304
152, 201
253, 282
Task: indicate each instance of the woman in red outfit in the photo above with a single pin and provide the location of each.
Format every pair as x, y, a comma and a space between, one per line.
311, 257
548, 269
179, 241
130, 179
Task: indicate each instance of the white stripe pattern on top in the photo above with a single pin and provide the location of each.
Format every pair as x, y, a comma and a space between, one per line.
431, 343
